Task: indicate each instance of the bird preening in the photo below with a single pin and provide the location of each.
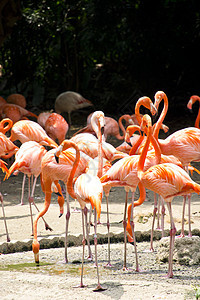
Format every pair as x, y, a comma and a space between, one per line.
86, 167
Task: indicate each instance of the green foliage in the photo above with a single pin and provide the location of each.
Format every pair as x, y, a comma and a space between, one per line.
103, 49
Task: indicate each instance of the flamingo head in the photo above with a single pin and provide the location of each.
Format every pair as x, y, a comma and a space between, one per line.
35, 248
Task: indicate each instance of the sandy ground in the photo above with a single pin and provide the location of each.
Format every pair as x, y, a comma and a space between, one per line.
21, 279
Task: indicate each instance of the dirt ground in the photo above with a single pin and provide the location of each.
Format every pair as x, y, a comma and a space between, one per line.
53, 279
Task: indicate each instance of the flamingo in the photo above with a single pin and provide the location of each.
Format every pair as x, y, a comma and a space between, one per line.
28, 161
168, 180
15, 112
56, 127
17, 99
111, 127
190, 103
184, 144
27, 130
70, 101
4, 169
86, 188
52, 172
124, 173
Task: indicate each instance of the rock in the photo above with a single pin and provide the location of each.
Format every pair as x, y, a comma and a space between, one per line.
186, 250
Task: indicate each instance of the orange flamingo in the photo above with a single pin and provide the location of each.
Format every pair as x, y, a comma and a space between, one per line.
70, 101
27, 130
28, 161
4, 169
192, 100
52, 172
56, 127
15, 112
163, 159
124, 173
86, 188
183, 144
17, 99
168, 180
7, 148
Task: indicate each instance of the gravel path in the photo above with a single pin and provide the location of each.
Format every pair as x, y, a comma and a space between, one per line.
53, 279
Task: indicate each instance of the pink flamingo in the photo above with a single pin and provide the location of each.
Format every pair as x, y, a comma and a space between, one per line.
70, 101
184, 144
28, 161
86, 188
168, 180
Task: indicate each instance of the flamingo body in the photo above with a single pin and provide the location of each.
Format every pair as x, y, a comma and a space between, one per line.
70, 101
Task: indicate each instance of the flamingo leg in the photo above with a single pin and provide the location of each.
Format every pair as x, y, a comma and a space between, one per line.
189, 215
99, 287
162, 215
47, 227
67, 224
172, 239
158, 213
83, 254
30, 201
125, 225
153, 221
133, 233
4, 217
108, 227
23, 185
183, 217
87, 234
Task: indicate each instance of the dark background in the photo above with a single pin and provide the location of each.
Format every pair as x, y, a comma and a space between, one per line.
112, 52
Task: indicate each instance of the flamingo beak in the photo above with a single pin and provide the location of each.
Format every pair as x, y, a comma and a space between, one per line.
56, 158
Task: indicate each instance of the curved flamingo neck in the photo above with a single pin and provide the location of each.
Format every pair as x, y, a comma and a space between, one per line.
193, 99
131, 130
70, 187
141, 162
7, 127
100, 157
121, 126
158, 98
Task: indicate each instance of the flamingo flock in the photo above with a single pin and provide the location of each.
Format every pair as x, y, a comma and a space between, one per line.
89, 166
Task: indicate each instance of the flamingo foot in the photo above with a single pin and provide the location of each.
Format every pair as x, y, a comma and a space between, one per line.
90, 258
108, 265
47, 227
99, 288
81, 286
151, 250
125, 269
180, 235
8, 239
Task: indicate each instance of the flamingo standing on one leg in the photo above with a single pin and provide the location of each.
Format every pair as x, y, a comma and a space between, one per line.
86, 188
167, 180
